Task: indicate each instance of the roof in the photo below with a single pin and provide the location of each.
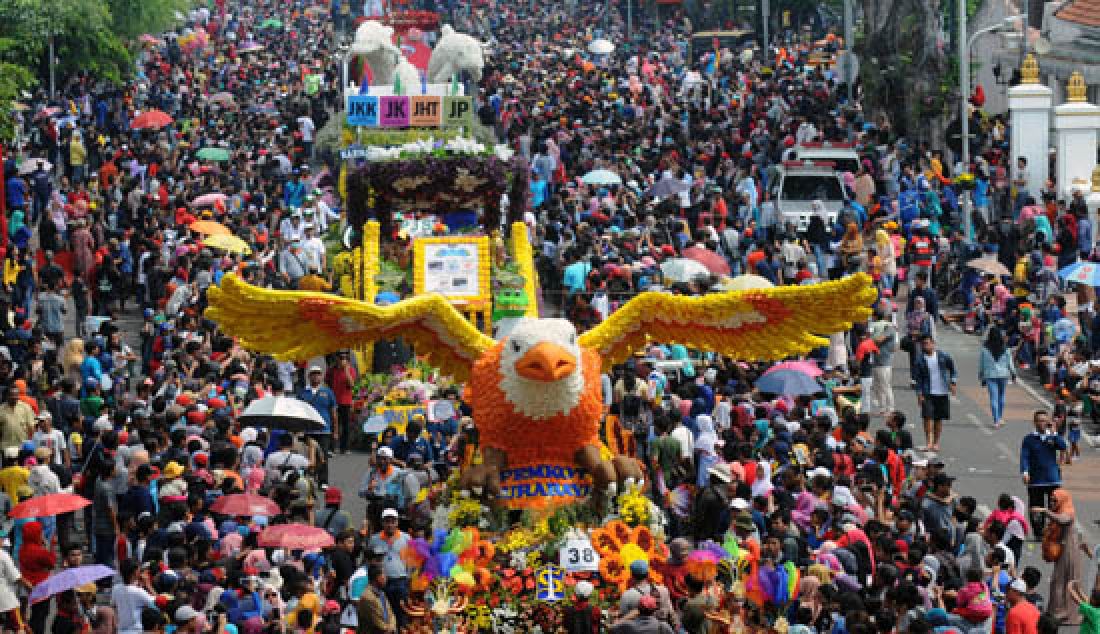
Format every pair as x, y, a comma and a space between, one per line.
1083, 12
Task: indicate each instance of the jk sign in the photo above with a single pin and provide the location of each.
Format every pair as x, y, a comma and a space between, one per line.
401, 111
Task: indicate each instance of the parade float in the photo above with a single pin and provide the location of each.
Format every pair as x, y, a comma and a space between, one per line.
543, 448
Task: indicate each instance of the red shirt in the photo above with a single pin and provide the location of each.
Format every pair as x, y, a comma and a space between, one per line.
343, 384
1022, 618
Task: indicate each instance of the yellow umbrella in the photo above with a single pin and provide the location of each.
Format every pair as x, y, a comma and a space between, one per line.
210, 228
232, 244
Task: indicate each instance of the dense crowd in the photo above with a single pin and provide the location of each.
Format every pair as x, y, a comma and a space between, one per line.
119, 390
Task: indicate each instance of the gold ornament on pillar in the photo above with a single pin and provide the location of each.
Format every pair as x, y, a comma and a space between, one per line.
1096, 179
1029, 70
1076, 88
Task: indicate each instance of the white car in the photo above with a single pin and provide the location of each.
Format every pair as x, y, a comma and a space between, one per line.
800, 183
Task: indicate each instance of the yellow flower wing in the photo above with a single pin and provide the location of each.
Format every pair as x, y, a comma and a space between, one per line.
758, 324
298, 325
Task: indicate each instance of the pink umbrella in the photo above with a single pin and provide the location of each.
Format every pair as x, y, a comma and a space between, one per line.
208, 200
808, 368
295, 537
714, 262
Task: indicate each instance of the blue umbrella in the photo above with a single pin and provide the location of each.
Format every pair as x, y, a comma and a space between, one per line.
602, 177
788, 382
68, 579
1087, 273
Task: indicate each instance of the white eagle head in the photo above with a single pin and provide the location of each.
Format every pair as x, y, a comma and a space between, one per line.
540, 367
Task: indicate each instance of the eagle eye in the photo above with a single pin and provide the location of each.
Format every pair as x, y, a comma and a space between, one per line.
515, 346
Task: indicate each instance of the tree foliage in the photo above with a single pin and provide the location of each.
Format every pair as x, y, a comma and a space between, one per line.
88, 36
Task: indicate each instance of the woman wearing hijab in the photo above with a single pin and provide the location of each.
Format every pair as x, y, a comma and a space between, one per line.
706, 450
851, 246
995, 369
1067, 568
885, 248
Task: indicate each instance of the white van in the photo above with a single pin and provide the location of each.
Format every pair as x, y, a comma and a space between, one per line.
799, 184
843, 156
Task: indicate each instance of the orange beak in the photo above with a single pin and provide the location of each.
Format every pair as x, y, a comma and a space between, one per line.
546, 362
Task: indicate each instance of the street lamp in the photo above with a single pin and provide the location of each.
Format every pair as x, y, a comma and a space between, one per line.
964, 90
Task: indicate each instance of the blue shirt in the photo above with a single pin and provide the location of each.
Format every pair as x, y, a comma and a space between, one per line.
323, 400
16, 191
575, 276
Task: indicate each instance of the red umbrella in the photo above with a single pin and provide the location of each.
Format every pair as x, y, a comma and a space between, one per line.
245, 504
715, 263
806, 367
295, 537
155, 119
48, 505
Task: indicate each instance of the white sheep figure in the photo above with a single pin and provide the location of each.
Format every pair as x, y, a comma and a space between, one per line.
455, 52
374, 41
410, 76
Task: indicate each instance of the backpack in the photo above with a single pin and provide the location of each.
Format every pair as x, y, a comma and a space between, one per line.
579, 621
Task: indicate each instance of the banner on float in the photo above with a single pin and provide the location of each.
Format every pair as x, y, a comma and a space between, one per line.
398, 416
405, 111
543, 485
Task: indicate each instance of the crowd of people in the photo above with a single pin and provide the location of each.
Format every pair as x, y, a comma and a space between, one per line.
118, 389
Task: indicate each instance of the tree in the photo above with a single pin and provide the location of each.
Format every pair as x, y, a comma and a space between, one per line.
905, 69
132, 18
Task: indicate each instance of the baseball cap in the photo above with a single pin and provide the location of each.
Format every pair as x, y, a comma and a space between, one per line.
389, 513
315, 368
639, 567
385, 452
333, 495
583, 589
923, 462
184, 614
1018, 585
739, 503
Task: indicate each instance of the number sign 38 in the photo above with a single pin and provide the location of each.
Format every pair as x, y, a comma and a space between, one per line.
577, 555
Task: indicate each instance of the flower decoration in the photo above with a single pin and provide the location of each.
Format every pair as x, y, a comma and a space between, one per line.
620, 545
634, 506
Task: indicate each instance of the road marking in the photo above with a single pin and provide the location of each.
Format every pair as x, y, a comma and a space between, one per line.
977, 423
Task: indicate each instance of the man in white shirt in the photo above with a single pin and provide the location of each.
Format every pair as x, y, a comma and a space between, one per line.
306, 127
290, 228
313, 249
51, 438
129, 598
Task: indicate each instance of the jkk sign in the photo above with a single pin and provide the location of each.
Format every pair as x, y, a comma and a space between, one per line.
403, 111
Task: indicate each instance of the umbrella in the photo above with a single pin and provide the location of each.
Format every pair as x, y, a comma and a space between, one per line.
221, 97
682, 270
47, 112
601, 47
295, 537
48, 505
282, 412
208, 200
210, 228
153, 119
148, 39
250, 47
271, 23
746, 282
232, 244
30, 165
989, 264
808, 368
601, 177
668, 186
68, 579
213, 154
788, 382
245, 504
715, 263
1087, 273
